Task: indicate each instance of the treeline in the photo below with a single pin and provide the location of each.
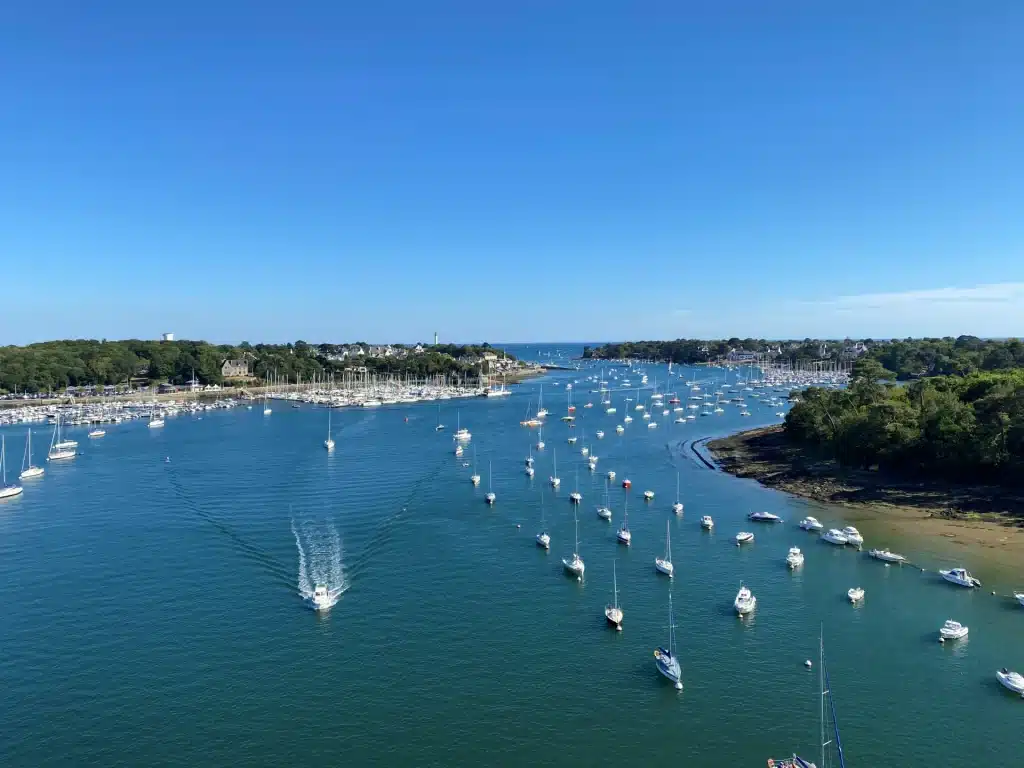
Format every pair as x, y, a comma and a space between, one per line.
965, 428
693, 351
56, 365
915, 358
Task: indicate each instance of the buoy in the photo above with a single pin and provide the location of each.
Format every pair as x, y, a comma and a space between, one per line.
618, 627
579, 579
808, 664
518, 526
679, 686
993, 591
942, 639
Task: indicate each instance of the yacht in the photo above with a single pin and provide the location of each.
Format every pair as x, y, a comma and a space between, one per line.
574, 564
612, 612
665, 658
795, 558
623, 534
886, 556
743, 537
97, 433
29, 471
745, 601
834, 536
463, 435
1019, 596
764, 517
811, 524
664, 564
961, 577
1012, 680
6, 491
322, 598
707, 523
853, 536
952, 630
856, 594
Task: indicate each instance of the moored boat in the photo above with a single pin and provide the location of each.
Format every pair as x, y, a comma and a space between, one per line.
961, 577
886, 556
952, 630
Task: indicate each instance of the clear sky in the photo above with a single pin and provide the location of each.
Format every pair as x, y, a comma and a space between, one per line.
511, 171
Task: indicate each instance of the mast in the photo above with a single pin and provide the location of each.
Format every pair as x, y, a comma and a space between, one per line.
615, 586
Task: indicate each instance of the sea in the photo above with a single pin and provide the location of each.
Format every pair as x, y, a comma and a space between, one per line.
151, 609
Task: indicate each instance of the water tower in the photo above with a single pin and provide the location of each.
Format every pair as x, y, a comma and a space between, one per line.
166, 337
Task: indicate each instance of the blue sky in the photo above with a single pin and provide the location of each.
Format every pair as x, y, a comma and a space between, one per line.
528, 171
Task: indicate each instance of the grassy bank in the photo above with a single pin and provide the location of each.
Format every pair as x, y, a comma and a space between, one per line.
980, 521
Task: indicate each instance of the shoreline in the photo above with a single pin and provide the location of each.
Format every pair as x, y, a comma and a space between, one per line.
945, 522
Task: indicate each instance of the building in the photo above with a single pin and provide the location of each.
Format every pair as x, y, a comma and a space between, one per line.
235, 369
435, 338
166, 337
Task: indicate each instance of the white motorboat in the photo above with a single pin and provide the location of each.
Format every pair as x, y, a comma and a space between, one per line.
619, 429
856, 594
322, 598
960, 577
1012, 680
623, 534
834, 536
811, 524
648, 495
744, 536
745, 601
665, 658
664, 564
795, 558
886, 556
853, 536
652, 425
458, 450
707, 523
97, 433
574, 564
600, 435
28, 471
463, 435
952, 630
763, 517
1019, 596
571, 440
613, 612
6, 491
611, 474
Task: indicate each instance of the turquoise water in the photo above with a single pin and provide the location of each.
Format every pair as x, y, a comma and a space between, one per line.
150, 609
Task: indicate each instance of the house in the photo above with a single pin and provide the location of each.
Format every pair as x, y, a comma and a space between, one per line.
235, 369
418, 349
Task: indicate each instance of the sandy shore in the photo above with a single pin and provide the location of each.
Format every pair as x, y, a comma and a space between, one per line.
980, 526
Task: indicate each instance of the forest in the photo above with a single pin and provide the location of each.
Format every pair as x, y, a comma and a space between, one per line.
56, 365
966, 428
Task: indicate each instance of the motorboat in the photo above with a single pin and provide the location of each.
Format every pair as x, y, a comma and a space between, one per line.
619, 429
1012, 680
463, 435
611, 474
613, 613
459, 450
856, 594
745, 601
664, 564
648, 495
665, 658
627, 483
322, 598
574, 565
834, 536
853, 536
886, 556
1019, 596
811, 524
960, 577
743, 537
952, 630
707, 523
764, 517
97, 433
795, 558
600, 435
571, 440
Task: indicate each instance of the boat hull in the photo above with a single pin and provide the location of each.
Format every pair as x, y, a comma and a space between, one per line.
664, 566
31, 472
10, 492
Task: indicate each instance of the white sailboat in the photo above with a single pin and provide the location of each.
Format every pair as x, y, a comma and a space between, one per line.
329, 442
555, 480
574, 564
664, 564
474, 478
541, 410
604, 511
613, 612
576, 497
678, 506
489, 497
56, 453
540, 439
439, 427
29, 471
623, 534
267, 410
6, 491
665, 658
543, 539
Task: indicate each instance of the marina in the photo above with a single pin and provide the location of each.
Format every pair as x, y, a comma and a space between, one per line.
389, 531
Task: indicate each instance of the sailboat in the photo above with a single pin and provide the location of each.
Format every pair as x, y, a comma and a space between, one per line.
555, 480
6, 491
61, 443
461, 433
55, 453
489, 497
543, 539
612, 612
623, 534
576, 497
678, 506
529, 463
27, 469
266, 406
574, 564
541, 411
474, 478
826, 739
439, 427
329, 442
664, 564
665, 658
540, 439
604, 511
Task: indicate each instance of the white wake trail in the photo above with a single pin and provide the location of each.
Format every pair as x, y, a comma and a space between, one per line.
320, 558
305, 587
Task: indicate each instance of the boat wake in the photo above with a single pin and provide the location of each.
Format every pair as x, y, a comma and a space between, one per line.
320, 559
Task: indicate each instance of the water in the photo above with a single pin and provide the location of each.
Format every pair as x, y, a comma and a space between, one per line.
152, 611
